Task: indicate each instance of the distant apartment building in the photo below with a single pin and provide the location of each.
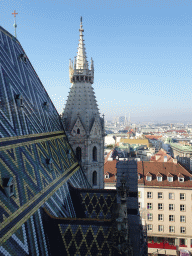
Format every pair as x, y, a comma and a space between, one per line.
183, 153
136, 141
165, 203
145, 154
186, 162
155, 141
166, 144
177, 149
149, 130
109, 140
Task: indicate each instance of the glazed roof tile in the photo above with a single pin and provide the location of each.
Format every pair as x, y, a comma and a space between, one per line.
93, 203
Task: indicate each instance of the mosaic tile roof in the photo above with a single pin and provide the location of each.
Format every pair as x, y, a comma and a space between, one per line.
93, 203
89, 233
36, 160
43, 211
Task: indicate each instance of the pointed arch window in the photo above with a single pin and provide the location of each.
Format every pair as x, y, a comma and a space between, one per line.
94, 178
94, 153
78, 131
78, 153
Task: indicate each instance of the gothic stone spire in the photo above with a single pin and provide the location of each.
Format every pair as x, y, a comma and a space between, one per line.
80, 70
82, 122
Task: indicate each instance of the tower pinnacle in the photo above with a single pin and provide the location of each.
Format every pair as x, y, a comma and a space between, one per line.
81, 55
80, 71
15, 25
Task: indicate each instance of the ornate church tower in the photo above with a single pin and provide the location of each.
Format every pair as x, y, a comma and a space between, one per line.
81, 118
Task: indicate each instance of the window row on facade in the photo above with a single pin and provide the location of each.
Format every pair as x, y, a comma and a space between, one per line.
159, 178
171, 217
170, 195
171, 228
161, 217
161, 207
160, 195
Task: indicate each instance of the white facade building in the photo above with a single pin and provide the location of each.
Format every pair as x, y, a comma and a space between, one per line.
109, 140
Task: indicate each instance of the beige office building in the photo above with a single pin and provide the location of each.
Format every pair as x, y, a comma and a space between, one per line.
165, 203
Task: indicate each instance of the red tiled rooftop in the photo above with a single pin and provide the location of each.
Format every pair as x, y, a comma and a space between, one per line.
153, 137
154, 169
178, 131
110, 167
130, 132
166, 169
160, 156
106, 158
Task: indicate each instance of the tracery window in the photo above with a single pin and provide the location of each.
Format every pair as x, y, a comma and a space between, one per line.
94, 178
78, 153
94, 153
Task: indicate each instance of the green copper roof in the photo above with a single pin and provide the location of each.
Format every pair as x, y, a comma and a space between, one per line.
181, 147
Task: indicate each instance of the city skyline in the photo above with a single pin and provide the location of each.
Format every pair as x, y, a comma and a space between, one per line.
141, 53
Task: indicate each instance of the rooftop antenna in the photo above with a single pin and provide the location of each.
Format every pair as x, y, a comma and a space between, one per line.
15, 25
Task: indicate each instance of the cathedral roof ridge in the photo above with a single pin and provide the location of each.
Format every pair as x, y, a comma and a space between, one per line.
92, 190
9, 34
77, 219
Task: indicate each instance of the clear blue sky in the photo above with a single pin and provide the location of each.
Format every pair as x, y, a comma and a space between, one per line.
142, 51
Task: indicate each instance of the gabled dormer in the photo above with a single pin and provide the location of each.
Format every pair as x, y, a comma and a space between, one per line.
107, 175
96, 128
170, 177
159, 177
9, 186
148, 176
78, 129
181, 177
